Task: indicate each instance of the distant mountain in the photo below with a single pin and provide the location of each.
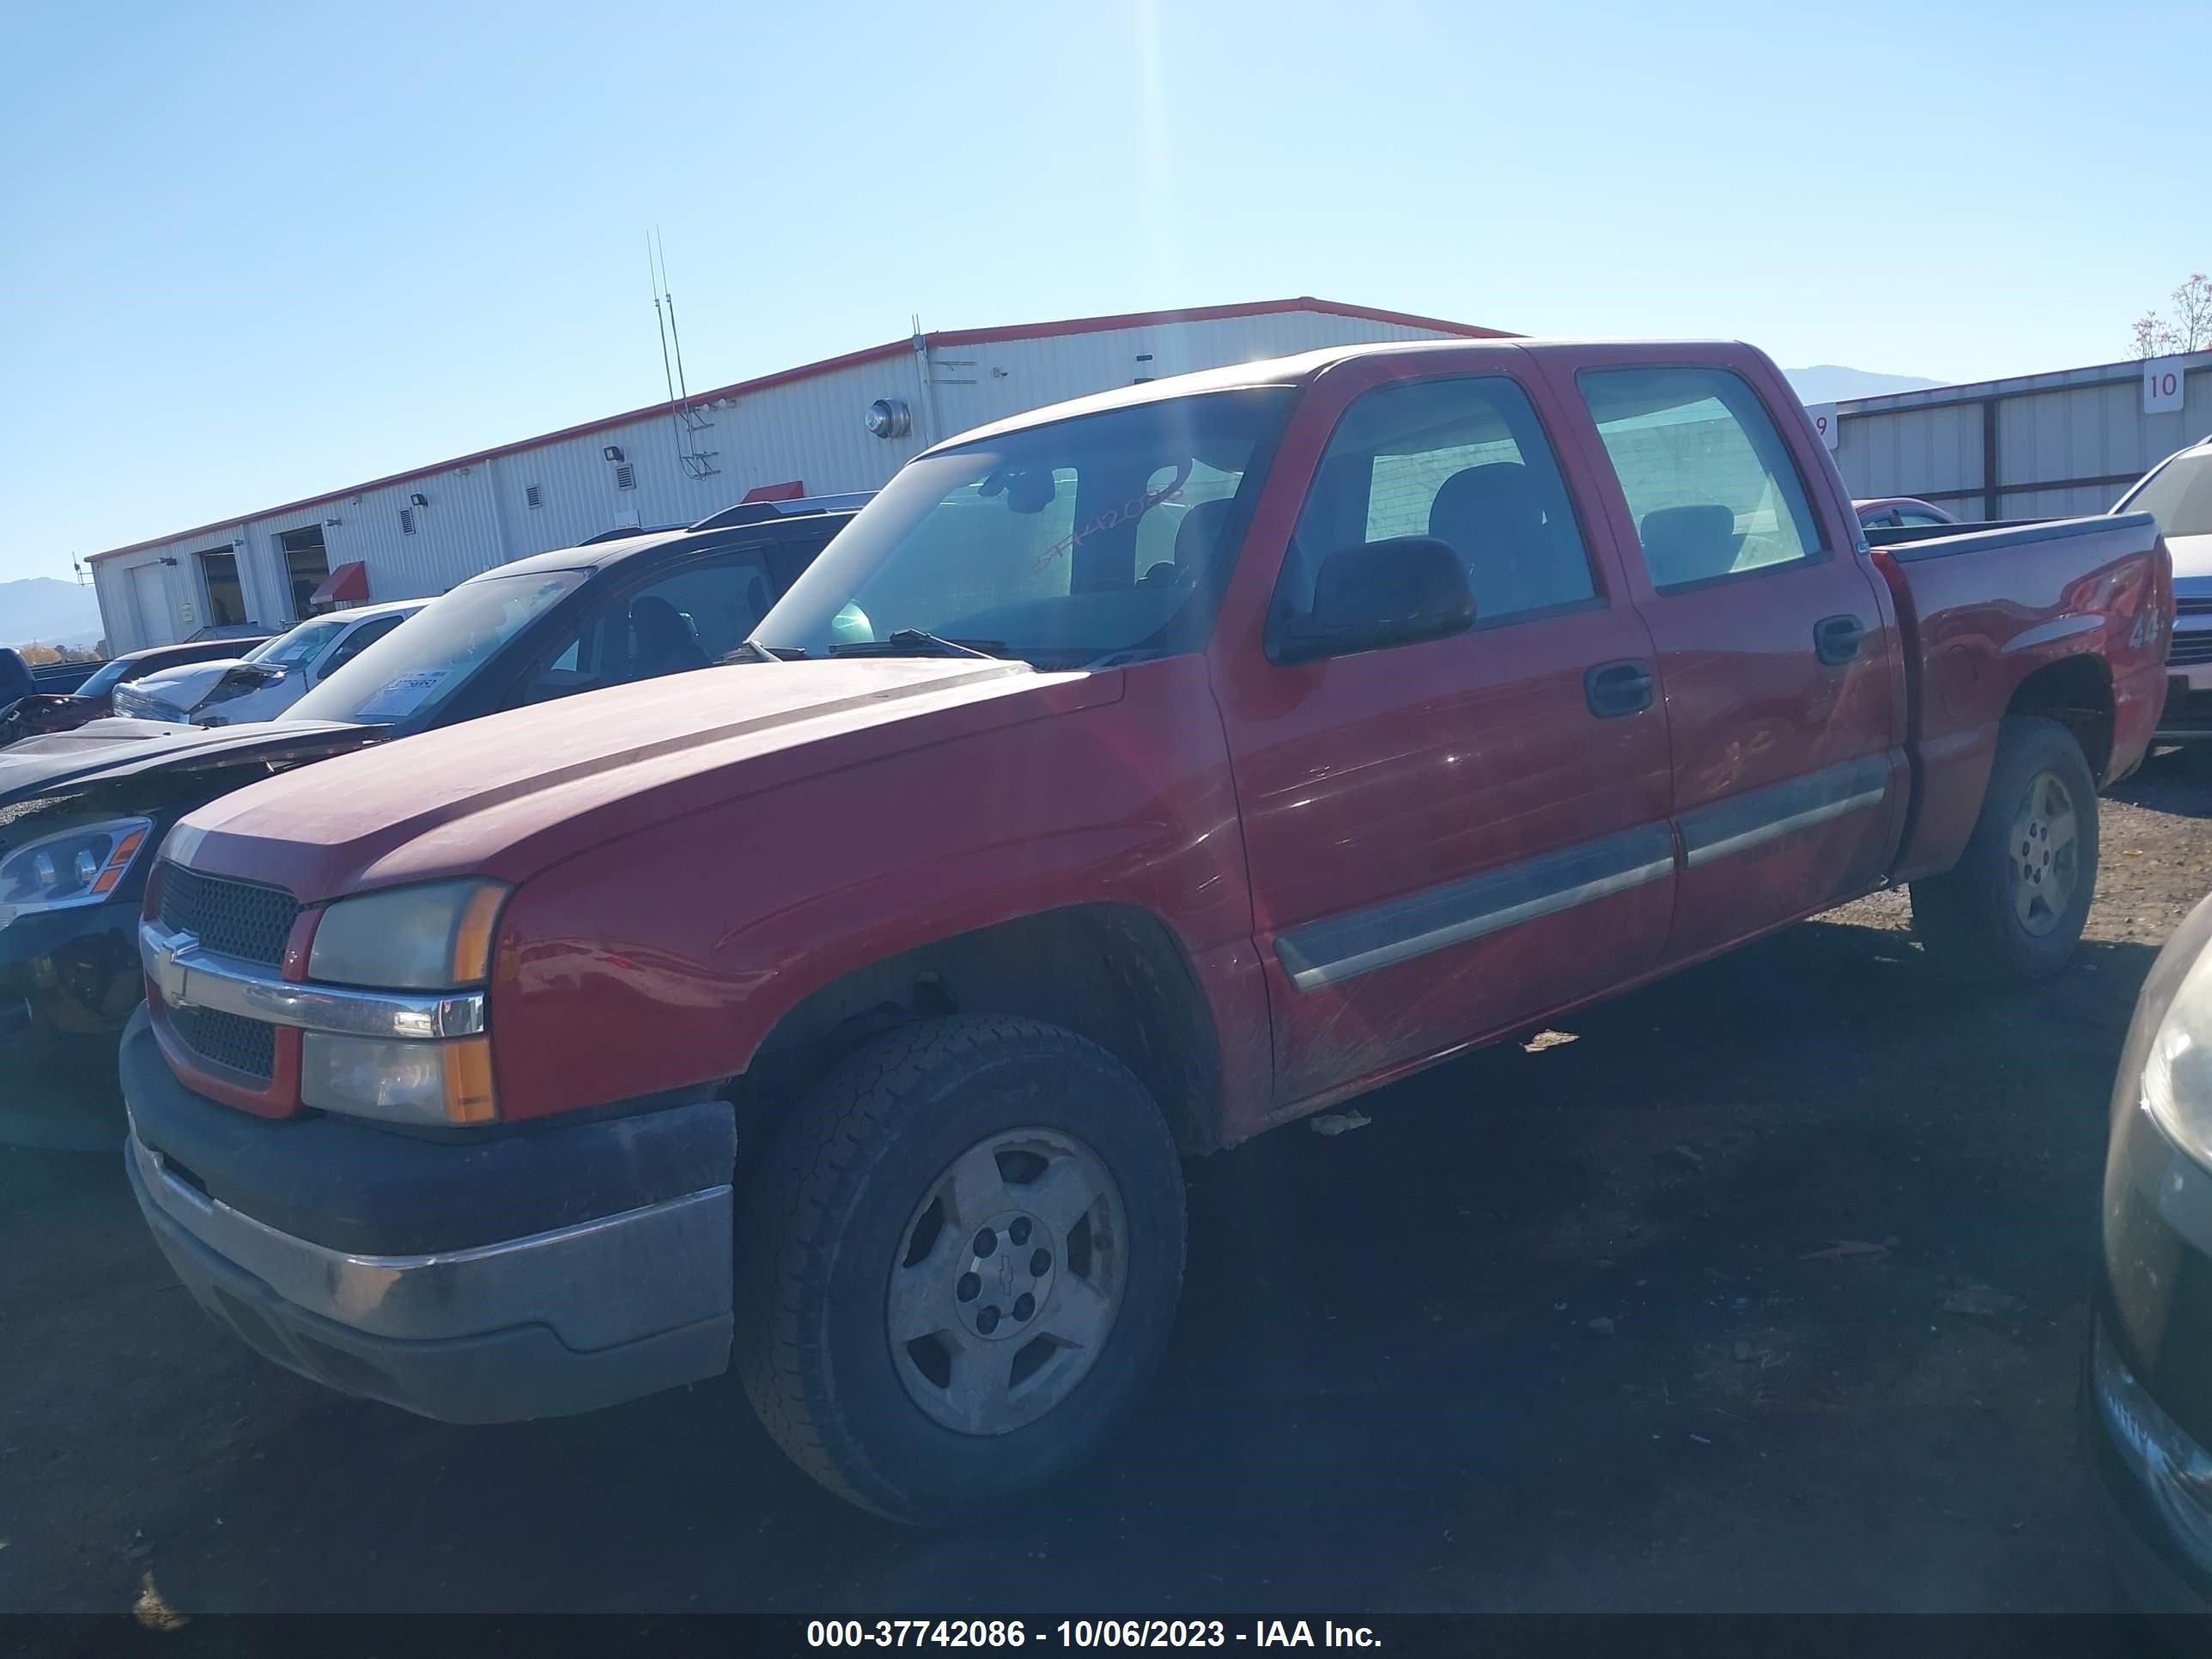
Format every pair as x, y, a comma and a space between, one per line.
41, 610
1829, 383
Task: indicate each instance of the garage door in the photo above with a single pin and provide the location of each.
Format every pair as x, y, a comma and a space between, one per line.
153, 596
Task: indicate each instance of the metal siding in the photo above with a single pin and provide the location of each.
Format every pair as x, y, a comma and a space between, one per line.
811, 430
1911, 452
2078, 423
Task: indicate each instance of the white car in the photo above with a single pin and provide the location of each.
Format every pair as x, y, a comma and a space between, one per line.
269, 679
2178, 493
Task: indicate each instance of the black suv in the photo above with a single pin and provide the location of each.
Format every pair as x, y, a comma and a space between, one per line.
81, 813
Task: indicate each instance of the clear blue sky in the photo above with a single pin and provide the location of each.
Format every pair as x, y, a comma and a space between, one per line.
252, 251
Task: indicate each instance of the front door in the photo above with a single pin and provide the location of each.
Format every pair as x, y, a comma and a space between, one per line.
1788, 778
1446, 837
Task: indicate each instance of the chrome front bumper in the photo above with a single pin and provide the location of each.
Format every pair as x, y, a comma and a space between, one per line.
559, 1322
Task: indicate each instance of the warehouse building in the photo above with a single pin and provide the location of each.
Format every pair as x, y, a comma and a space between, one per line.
2034, 446
846, 423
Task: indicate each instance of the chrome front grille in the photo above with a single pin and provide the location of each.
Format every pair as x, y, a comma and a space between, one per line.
231, 1042
230, 918
2187, 649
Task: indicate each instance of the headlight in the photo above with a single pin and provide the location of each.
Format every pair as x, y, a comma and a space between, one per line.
2177, 1073
433, 938
76, 867
400, 1082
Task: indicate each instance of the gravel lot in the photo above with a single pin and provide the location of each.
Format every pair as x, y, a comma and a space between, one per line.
1763, 1288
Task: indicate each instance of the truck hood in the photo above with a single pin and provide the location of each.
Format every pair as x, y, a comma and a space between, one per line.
102, 751
508, 795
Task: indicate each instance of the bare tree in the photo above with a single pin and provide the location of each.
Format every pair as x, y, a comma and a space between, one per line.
2188, 329
2192, 313
2154, 335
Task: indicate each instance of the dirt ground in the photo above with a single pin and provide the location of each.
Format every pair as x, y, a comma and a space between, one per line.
1761, 1289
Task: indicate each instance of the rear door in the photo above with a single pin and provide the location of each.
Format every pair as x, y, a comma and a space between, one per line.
1776, 659
1448, 836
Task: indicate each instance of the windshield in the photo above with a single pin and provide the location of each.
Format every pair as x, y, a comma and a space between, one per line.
411, 673
2179, 496
303, 644
1060, 544
104, 682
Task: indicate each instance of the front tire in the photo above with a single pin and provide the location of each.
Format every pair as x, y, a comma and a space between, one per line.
959, 1264
2012, 910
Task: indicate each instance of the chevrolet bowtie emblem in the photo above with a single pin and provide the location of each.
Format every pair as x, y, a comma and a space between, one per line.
170, 976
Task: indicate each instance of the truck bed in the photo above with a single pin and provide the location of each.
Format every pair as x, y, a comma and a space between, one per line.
1982, 611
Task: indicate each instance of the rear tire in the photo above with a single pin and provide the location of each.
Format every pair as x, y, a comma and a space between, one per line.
958, 1265
2012, 910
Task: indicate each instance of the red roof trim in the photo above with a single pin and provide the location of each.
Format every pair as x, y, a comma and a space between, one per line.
850, 360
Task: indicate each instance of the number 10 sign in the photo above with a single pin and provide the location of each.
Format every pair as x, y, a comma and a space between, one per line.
2162, 385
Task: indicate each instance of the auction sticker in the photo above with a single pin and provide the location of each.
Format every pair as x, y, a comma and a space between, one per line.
402, 696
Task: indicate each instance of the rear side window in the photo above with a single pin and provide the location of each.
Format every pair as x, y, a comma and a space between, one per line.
1464, 461
1709, 481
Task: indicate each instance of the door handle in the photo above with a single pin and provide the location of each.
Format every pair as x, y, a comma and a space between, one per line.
1614, 688
1837, 639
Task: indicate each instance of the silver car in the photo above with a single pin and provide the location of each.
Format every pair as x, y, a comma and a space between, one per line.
2178, 493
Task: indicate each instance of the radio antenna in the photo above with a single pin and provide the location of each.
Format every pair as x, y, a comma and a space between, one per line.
677, 339
660, 321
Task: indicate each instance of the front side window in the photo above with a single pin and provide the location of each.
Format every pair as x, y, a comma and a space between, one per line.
1709, 483
692, 618
1464, 461
1060, 544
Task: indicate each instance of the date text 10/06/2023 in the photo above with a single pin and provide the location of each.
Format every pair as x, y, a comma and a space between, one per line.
1086, 1633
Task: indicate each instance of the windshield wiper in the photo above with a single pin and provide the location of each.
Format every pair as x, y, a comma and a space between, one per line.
915, 642
753, 651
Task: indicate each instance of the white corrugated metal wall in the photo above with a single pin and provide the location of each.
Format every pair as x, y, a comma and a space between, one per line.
810, 429
2068, 442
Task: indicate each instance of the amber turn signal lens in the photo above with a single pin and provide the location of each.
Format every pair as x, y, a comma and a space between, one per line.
473, 935
469, 1098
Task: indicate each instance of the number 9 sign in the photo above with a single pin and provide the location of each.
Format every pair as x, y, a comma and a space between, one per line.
2162, 385
1824, 422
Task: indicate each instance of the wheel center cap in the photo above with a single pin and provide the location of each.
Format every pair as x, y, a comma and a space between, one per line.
1007, 1276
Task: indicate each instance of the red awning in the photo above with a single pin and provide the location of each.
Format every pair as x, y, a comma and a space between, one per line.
783, 492
347, 585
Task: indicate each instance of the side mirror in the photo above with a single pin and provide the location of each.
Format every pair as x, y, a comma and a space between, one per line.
1378, 594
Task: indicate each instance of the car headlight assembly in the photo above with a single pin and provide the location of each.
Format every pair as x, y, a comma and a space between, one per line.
445, 1083
82, 864
437, 937
2177, 1074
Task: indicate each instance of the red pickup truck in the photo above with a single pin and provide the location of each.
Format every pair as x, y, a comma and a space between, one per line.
1127, 779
